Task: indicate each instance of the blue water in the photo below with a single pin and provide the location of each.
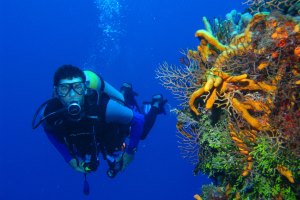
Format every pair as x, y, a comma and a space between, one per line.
121, 40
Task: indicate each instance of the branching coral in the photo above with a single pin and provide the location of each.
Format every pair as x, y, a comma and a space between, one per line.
241, 103
179, 80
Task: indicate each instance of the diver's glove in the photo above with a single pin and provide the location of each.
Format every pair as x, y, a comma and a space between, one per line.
76, 165
157, 102
90, 166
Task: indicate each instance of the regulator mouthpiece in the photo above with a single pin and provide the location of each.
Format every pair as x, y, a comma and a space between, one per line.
74, 109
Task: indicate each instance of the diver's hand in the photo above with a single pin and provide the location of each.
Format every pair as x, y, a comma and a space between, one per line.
73, 163
127, 159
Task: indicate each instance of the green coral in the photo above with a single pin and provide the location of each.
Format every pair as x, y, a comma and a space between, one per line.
218, 153
265, 155
265, 181
212, 192
220, 159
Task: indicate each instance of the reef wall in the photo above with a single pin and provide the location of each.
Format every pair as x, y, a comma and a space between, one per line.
239, 92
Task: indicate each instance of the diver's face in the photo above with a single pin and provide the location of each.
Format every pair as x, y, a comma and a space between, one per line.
71, 90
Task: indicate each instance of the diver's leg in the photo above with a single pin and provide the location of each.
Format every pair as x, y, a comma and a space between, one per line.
117, 113
157, 107
150, 119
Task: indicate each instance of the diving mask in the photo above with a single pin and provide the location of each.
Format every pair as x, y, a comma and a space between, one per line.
65, 88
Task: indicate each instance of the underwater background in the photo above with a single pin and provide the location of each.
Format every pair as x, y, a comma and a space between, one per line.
121, 40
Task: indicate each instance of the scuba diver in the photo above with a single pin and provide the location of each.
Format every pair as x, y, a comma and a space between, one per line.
87, 116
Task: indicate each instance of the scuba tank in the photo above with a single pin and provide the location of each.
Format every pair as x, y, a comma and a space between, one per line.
95, 81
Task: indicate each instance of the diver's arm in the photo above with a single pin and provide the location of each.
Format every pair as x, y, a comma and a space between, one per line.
64, 151
61, 147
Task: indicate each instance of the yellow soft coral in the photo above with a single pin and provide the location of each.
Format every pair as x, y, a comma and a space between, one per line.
193, 97
241, 109
211, 100
243, 149
285, 172
263, 65
253, 85
230, 52
203, 34
209, 84
215, 80
257, 105
197, 197
228, 78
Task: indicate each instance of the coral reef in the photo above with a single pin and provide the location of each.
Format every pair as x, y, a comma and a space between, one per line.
239, 116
